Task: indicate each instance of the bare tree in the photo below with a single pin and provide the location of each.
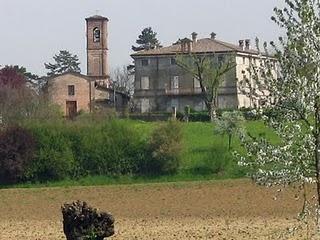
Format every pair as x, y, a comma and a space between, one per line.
210, 72
123, 80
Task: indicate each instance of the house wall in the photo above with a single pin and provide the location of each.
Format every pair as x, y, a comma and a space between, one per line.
58, 91
245, 62
162, 96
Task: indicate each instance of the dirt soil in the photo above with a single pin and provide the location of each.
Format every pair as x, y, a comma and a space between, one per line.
235, 209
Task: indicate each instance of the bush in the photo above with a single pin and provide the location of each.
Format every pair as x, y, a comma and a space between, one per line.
113, 149
54, 159
165, 147
199, 117
17, 147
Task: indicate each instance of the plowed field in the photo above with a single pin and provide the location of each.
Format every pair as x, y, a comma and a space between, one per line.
235, 209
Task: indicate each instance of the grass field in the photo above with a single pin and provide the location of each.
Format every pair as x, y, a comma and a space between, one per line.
205, 156
228, 209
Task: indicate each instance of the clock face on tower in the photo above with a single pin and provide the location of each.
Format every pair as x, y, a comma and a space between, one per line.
96, 35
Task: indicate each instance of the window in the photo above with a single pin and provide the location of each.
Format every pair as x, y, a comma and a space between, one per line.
96, 35
244, 60
145, 105
220, 59
196, 83
175, 82
145, 83
175, 103
71, 90
145, 62
173, 61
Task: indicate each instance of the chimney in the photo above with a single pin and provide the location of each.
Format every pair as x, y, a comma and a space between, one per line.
186, 45
247, 42
213, 35
194, 37
241, 44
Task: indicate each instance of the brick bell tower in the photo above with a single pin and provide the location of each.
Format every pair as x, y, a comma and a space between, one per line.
97, 47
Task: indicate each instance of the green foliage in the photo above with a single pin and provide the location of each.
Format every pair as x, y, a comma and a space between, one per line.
114, 148
229, 124
125, 151
63, 62
29, 77
147, 40
165, 147
17, 147
54, 159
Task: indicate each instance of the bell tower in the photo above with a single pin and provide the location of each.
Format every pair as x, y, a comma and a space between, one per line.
97, 46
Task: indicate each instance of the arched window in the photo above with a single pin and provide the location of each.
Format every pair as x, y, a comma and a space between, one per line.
96, 35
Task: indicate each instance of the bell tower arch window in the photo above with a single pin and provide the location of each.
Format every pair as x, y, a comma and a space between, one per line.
96, 35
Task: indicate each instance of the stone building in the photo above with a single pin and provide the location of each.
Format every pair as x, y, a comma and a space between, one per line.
161, 84
75, 92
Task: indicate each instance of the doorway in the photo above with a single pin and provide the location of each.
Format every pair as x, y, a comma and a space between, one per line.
71, 107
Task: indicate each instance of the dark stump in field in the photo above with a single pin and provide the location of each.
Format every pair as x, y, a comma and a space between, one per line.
81, 222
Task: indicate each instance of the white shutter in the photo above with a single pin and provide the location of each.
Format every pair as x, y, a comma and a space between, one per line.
196, 83
145, 83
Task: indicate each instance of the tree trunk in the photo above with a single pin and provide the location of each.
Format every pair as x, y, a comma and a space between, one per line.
317, 153
317, 156
230, 139
212, 112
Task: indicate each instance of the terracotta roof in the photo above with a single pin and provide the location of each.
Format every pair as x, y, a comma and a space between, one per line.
97, 17
88, 78
205, 45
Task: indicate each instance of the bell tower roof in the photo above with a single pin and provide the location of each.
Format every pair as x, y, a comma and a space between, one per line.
97, 17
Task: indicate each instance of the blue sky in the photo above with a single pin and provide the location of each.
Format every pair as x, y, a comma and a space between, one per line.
32, 31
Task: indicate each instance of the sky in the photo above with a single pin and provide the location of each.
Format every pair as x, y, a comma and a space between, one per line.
32, 31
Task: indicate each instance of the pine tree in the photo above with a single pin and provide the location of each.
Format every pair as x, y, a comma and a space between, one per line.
64, 62
147, 40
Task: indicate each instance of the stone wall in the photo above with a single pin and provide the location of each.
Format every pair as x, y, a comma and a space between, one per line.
58, 91
163, 94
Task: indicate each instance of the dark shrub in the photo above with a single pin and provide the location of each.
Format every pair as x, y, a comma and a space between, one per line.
165, 146
54, 159
199, 117
17, 147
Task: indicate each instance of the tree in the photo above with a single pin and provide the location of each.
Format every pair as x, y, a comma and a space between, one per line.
63, 62
11, 78
293, 95
19, 101
122, 80
230, 124
210, 72
17, 147
147, 40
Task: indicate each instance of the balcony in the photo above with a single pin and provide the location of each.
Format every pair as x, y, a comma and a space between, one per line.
183, 91
228, 90
167, 92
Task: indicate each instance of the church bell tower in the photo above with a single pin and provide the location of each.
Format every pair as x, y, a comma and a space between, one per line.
97, 46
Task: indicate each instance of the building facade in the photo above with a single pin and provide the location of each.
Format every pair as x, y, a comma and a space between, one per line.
75, 92
161, 84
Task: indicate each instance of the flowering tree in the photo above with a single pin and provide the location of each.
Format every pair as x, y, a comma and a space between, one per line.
230, 124
293, 95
